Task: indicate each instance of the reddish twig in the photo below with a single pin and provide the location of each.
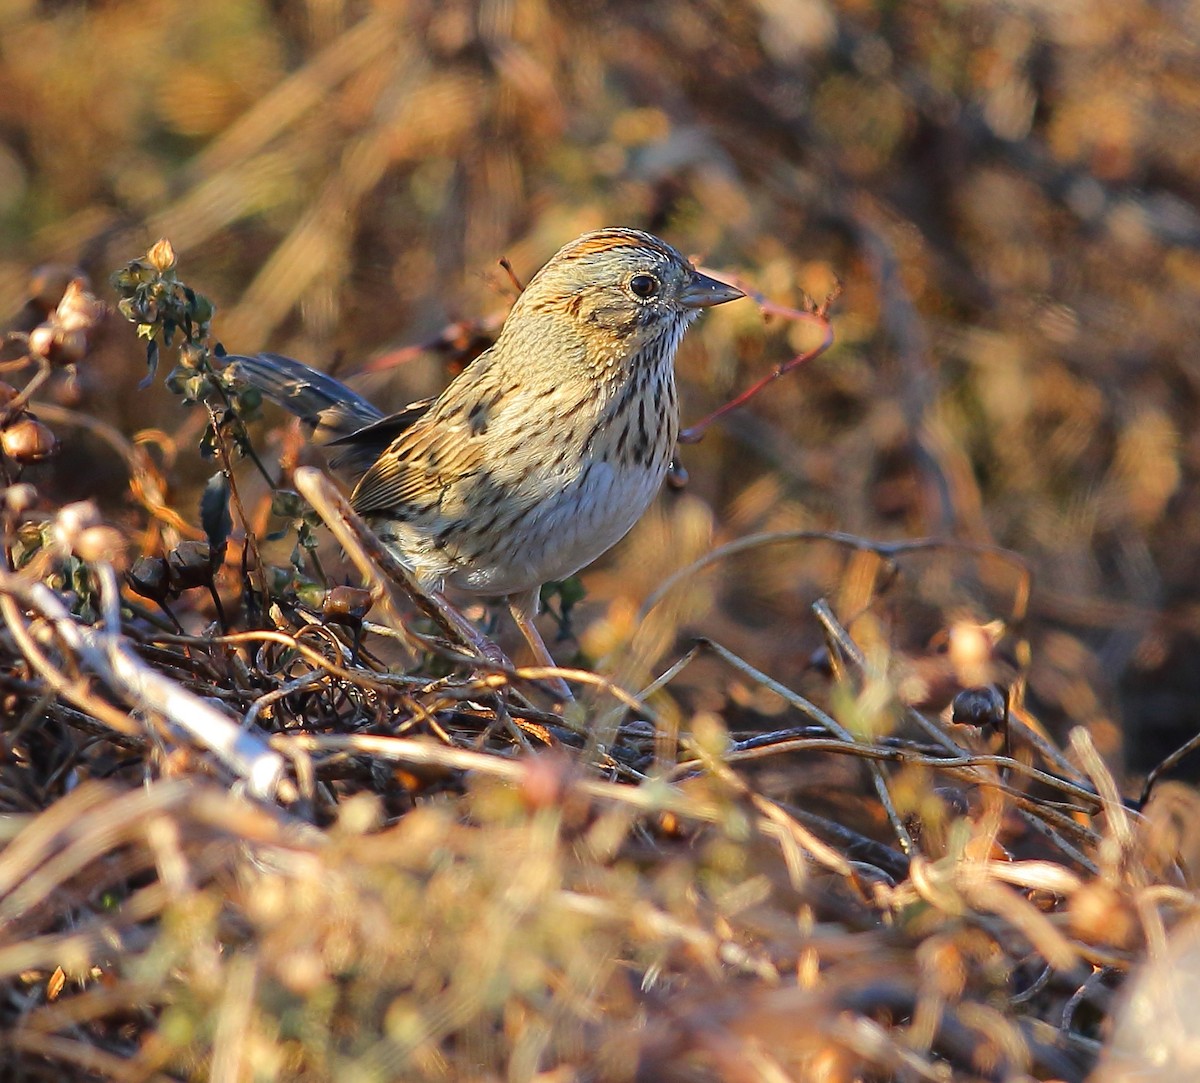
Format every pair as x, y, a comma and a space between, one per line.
512, 275
18, 403
460, 337
817, 314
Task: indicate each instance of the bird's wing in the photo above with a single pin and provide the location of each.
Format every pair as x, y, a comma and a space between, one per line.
441, 448
338, 417
358, 450
420, 466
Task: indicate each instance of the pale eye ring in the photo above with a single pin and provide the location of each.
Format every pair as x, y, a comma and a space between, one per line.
643, 285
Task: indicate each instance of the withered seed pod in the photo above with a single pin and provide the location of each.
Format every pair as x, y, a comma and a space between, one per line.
346, 605
68, 392
75, 517
58, 345
28, 441
70, 346
103, 543
983, 706
19, 499
189, 565
41, 340
149, 578
78, 310
49, 282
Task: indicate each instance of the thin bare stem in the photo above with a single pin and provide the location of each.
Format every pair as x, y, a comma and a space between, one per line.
109, 655
818, 316
811, 710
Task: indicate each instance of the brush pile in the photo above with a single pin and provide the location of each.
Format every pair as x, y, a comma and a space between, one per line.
258, 823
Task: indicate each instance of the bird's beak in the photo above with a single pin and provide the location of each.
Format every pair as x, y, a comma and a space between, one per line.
704, 292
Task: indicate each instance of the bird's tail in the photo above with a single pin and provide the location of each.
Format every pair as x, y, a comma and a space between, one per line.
326, 405
338, 416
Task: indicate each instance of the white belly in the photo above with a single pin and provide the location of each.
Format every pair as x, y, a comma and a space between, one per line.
533, 514
550, 538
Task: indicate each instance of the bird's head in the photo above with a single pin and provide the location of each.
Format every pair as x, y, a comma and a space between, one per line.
620, 287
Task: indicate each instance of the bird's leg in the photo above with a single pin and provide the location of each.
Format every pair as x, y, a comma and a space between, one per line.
467, 631
523, 608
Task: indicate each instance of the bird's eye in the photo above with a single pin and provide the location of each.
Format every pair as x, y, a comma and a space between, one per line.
644, 285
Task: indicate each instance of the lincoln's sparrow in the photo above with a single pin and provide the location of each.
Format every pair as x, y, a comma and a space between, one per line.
547, 448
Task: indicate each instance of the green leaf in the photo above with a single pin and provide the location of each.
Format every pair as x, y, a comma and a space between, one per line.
307, 537
208, 442
214, 511
202, 308
286, 502
248, 401
151, 365
569, 592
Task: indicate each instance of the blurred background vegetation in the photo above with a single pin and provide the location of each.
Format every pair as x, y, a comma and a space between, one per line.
1007, 191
